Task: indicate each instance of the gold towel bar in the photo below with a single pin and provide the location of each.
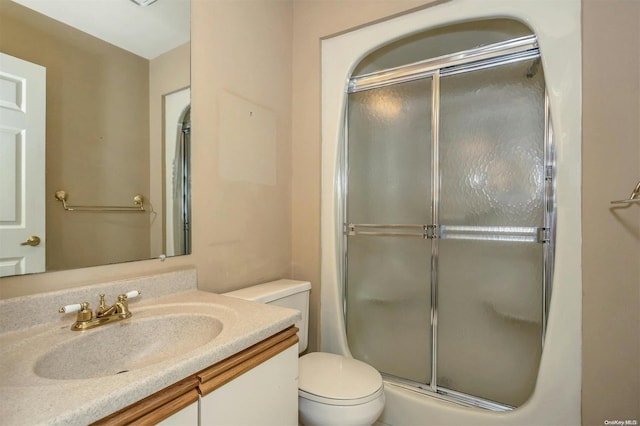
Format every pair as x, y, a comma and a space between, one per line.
138, 200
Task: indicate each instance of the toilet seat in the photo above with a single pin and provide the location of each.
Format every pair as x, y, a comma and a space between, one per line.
341, 402
337, 380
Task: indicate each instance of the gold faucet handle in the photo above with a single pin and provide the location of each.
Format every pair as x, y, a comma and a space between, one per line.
123, 304
131, 294
102, 307
84, 313
124, 297
68, 309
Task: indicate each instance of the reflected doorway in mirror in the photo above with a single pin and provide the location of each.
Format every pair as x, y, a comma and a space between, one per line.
22, 166
177, 194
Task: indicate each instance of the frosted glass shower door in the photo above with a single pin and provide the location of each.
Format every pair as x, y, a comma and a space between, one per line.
389, 187
490, 266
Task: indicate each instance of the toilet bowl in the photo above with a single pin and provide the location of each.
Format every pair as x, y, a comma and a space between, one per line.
336, 390
332, 389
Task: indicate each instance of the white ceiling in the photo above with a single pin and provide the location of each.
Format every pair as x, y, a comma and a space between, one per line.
147, 31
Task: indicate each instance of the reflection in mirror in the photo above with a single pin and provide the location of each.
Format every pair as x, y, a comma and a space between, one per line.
177, 117
108, 71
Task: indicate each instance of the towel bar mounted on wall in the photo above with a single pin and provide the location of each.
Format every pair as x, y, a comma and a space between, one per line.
633, 198
138, 200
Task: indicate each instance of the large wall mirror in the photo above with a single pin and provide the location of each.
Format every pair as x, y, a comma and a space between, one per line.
104, 87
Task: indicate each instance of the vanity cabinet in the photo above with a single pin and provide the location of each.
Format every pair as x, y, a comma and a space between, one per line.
258, 385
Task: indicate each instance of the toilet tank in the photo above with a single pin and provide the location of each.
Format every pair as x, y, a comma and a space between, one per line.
286, 293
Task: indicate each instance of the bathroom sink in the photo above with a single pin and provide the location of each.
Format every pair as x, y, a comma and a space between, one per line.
127, 345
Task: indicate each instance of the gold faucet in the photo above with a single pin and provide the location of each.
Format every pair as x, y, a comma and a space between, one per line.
103, 315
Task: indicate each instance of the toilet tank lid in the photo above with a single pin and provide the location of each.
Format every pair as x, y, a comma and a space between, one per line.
268, 292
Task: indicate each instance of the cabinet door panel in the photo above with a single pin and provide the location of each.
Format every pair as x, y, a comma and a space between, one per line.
188, 416
265, 395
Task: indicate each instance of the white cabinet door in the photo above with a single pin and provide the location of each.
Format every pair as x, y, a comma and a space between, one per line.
265, 395
188, 416
22, 165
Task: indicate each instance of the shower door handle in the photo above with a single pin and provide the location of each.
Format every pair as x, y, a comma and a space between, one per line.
391, 230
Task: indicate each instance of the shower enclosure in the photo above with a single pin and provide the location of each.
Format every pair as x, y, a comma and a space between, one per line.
449, 225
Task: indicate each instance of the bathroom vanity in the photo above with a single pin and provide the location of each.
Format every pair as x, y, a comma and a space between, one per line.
255, 386
182, 354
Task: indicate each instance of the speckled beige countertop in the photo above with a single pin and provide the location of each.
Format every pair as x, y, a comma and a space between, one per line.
28, 398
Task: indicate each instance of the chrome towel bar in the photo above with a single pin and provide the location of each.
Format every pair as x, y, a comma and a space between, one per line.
633, 198
138, 200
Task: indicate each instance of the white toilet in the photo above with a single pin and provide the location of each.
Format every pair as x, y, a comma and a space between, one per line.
332, 389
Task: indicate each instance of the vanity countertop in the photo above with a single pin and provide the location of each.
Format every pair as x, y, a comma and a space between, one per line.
29, 398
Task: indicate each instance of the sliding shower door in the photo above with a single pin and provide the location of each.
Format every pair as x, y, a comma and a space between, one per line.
490, 263
389, 188
447, 232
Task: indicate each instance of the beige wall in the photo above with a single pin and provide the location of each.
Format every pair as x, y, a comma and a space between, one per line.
242, 229
611, 237
96, 121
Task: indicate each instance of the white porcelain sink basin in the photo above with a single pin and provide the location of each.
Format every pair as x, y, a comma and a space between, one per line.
127, 345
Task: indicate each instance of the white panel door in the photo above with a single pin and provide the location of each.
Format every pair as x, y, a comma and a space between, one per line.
22, 166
